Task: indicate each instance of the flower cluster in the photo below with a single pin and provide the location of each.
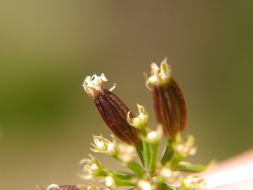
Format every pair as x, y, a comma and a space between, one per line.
153, 171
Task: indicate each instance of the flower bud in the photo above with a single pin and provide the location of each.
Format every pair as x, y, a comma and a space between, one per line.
154, 136
103, 145
194, 182
53, 187
126, 153
110, 182
113, 111
144, 185
91, 167
186, 148
168, 101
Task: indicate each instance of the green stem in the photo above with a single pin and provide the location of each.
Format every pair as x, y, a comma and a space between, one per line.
153, 156
146, 153
139, 148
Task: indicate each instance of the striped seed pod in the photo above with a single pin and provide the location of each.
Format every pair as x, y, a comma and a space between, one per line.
113, 111
168, 100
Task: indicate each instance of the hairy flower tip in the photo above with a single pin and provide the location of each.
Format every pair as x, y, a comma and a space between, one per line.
194, 183
91, 167
114, 113
141, 120
94, 85
185, 148
144, 185
168, 100
154, 136
53, 187
159, 75
103, 145
110, 182
126, 153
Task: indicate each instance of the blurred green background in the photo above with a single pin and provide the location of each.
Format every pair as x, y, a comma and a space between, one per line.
48, 47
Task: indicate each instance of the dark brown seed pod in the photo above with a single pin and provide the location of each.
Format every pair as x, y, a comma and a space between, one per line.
168, 101
113, 111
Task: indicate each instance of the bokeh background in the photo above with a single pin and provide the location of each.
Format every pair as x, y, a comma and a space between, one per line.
48, 47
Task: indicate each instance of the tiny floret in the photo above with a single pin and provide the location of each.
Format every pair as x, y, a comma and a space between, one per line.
154, 136
194, 182
144, 185
109, 181
103, 145
168, 175
127, 153
91, 167
141, 120
186, 148
165, 172
53, 187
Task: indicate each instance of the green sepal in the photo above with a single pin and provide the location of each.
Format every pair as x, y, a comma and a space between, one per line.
188, 167
175, 160
124, 182
101, 173
140, 151
121, 175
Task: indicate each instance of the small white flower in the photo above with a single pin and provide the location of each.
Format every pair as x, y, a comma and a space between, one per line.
168, 175
194, 182
127, 153
109, 181
144, 185
53, 187
103, 145
141, 120
165, 172
154, 136
186, 148
91, 167
159, 75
